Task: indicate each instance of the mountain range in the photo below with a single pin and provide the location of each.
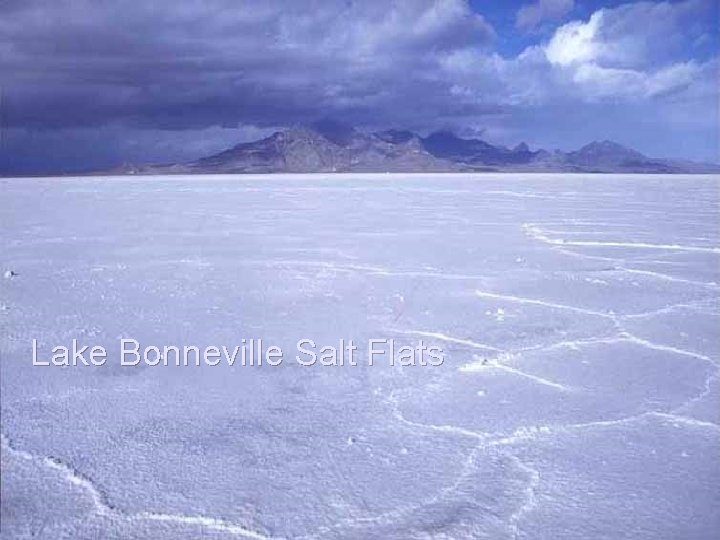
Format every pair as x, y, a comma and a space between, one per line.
332, 147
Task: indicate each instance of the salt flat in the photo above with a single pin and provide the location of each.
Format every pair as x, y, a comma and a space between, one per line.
579, 397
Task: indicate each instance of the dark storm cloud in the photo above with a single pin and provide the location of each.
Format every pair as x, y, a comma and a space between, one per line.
195, 64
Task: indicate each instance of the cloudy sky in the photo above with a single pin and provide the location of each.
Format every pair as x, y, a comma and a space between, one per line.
97, 83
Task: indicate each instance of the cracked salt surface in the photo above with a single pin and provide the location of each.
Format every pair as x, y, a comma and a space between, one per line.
580, 396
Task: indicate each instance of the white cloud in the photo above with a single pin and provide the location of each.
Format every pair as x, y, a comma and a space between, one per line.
631, 52
575, 42
598, 83
635, 35
530, 16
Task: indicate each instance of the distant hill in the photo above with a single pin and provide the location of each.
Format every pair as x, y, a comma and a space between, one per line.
333, 147
315, 150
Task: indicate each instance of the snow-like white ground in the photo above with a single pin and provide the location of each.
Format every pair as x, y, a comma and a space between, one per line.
579, 397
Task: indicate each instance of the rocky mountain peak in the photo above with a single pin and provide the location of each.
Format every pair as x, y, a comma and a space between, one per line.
330, 146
